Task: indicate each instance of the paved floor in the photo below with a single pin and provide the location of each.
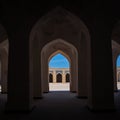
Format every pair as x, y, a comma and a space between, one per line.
60, 105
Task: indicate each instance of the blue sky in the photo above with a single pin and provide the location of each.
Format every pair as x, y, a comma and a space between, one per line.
118, 61
59, 61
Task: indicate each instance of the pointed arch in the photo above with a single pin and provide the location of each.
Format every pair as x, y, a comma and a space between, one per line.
60, 26
69, 51
59, 77
50, 77
67, 77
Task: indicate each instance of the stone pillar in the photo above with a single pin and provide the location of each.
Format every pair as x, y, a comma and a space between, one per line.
20, 95
54, 76
84, 63
35, 66
37, 83
45, 73
4, 70
101, 86
74, 72
63, 76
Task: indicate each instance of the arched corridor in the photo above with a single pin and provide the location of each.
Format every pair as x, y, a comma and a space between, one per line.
81, 33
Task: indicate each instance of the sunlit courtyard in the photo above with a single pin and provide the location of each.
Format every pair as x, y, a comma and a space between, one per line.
59, 86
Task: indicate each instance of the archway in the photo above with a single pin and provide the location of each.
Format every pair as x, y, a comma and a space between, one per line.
59, 65
60, 30
50, 78
59, 78
53, 48
67, 77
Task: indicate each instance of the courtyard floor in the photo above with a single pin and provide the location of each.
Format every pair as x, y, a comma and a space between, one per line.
59, 86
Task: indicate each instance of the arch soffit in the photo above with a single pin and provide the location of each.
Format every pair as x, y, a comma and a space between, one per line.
53, 17
59, 46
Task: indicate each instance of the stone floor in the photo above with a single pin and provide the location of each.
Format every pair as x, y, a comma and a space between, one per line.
60, 105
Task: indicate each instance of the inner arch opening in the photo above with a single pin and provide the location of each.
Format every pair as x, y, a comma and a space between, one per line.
59, 68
